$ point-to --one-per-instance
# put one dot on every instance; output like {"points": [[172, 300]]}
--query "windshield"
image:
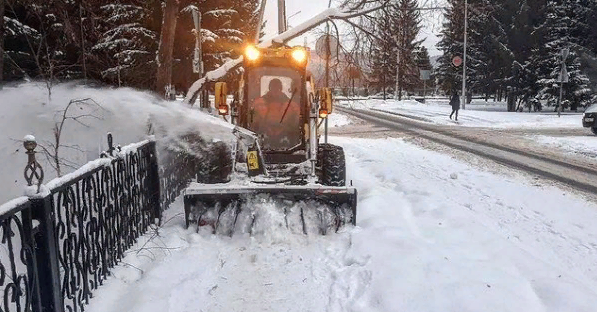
{"points": [[274, 105]]}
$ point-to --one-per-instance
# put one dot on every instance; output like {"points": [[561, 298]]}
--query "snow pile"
{"points": [[186, 271], [128, 114], [477, 114], [581, 145], [338, 120], [424, 242]]}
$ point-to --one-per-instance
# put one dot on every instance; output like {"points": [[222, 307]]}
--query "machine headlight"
{"points": [[299, 55], [252, 53]]}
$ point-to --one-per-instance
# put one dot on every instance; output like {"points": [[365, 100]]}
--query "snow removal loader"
{"points": [[281, 174]]}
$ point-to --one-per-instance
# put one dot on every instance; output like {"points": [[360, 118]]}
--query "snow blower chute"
{"points": [[282, 175]]}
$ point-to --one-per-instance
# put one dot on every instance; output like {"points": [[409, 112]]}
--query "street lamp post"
{"points": [[281, 16], [291, 16], [464, 59]]}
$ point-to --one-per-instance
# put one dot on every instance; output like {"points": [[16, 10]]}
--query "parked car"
{"points": [[589, 119]]}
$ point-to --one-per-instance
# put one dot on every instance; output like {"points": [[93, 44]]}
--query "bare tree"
{"points": [[52, 149], [44, 55], [165, 51]]}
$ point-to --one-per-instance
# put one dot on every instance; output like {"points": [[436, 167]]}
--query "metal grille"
{"points": [[98, 216]]}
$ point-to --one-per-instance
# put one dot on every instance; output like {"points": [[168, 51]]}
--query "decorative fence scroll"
{"points": [[59, 246]]}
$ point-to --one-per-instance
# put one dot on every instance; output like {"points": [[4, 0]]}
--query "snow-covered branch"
{"points": [[329, 14]]}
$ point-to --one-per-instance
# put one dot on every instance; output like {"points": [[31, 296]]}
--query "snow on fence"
{"points": [[59, 244]]}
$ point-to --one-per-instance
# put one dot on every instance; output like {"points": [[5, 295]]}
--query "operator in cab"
{"points": [[277, 117]]}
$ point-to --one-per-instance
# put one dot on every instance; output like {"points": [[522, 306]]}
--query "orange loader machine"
{"points": [[282, 175]]}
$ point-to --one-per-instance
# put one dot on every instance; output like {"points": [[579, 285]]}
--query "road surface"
{"points": [[498, 146]]}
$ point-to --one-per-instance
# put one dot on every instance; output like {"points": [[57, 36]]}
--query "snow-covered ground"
{"points": [[433, 234], [338, 120], [581, 145], [126, 113], [477, 114]]}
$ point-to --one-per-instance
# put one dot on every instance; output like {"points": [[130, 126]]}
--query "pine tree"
{"points": [[452, 45], [128, 43], [423, 63], [406, 22], [383, 55], [397, 28], [560, 31], [226, 26], [486, 52]]}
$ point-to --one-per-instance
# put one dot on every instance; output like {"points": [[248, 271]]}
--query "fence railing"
{"points": [[59, 245]]}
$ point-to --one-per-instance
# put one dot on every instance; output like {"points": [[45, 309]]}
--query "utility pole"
{"points": [[2, 31], [563, 77], [261, 13], [198, 57], [82, 43], [464, 60], [281, 16], [328, 55], [397, 87]]}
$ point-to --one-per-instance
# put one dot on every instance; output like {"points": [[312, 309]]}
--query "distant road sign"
{"points": [[457, 61], [322, 49], [565, 53], [564, 77]]}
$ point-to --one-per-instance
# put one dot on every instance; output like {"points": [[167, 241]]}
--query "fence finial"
{"points": [[33, 168], [110, 150], [110, 144]]}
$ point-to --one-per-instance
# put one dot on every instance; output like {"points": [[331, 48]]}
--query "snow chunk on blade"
{"points": [[257, 210]]}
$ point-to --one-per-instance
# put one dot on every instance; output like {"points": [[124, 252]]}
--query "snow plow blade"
{"points": [[301, 209]]}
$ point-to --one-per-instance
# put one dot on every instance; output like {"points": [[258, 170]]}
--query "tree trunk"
{"points": [[82, 42], [165, 52], [1, 42]]}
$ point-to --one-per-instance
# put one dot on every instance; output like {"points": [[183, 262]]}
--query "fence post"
{"points": [[33, 275], [47, 294], [155, 184], [46, 251]]}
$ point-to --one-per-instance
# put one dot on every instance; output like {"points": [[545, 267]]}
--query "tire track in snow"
{"points": [[582, 178], [545, 236]]}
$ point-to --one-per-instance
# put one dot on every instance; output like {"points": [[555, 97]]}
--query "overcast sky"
{"points": [[310, 8]]}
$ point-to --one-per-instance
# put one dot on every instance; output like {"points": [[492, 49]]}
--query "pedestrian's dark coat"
{"points": [[455, 102]]}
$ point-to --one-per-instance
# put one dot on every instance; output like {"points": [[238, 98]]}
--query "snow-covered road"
{"points": [[477, 114], [433, 234]]}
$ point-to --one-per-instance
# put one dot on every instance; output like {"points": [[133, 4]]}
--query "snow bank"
{"points": [[26, 110], [425, 241], [338, 120], [581, 145], [477, 114]]}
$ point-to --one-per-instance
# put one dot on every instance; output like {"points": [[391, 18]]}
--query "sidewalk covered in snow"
{"points": [[433, 234]]}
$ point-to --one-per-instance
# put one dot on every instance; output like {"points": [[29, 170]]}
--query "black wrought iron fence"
{"points": [[59, 245], [17, 270]]}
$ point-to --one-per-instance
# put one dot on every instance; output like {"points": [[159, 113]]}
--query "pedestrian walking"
{"points": [[455, 103]]}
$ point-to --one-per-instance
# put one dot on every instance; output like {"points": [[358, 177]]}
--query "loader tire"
{"points": [[331, 164], [594, 129]]}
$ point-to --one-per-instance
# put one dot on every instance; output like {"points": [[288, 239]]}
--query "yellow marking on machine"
{"points": [[252, 160]]}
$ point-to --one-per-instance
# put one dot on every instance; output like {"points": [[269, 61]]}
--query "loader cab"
{"points": [[273, 101]]}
